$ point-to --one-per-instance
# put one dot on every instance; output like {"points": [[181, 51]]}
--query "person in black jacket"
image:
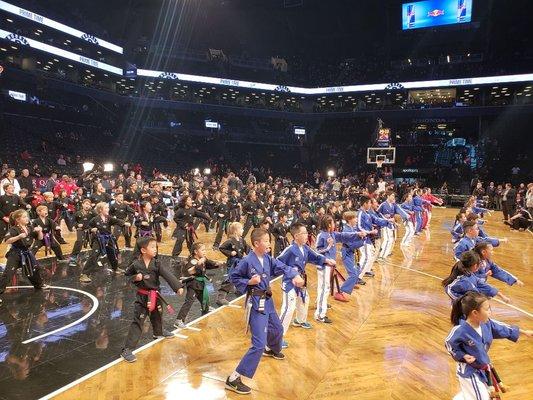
{"points": [[26, 181], [145, 273], [119, 209], [508, 201], [279, 231], [9, 202]]}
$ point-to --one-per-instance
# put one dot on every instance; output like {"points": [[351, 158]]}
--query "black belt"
{"points": [[261, 293]]}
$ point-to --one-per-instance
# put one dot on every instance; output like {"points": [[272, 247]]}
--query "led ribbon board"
{"points": [[24, 41], [338, 89], [21, 12]]}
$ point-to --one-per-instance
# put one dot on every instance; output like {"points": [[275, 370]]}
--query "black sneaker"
{"points": [[165, 335], [361, 282], [127, 355], [272, 353], [325, 320], [237, 386], [370, 273]]}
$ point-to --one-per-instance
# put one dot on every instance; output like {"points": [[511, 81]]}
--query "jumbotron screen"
{"points": [[428, 13]]}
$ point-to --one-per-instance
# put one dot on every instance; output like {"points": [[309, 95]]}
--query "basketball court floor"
{"points": [[386, 343]]}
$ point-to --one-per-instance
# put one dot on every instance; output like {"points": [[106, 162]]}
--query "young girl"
{"points": [[103, 242], [326, 244], [146, 222], [83, 237], [194, 278], [235, 248], [469, 342], [457, 230], [48, 228], [184, 215], [21, 238], [463, 279]]}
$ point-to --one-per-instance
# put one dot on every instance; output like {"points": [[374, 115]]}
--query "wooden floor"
{"points": [[386, 343]]}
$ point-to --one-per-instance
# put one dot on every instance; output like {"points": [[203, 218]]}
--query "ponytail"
{"points": [[462, 267], [465, 304]]}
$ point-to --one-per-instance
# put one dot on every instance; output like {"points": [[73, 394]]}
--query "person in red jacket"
{"points": [[65, 184], [427, 195]]}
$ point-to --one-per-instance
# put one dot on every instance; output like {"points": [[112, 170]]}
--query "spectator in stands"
{"points": [[61, 160], [65, 184], [508, 201], [9, 177], [25, 155], [26, 181], [491, 193], [498, 197], [51, 182]]}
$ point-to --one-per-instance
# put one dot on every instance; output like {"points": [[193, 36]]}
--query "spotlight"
{"points": [[331, 173], [88, 166], [108, 167], [207, 171]]}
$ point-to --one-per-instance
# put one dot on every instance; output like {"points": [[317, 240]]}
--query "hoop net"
{"points": [[379, 163]]}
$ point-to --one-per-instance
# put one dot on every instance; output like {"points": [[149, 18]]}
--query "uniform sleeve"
{"points": [[314, 258], [115, 221], [501, 330], [171, 279], [321, 242], [200, 214], [225, 248], [456, 289], [210, 264], [459, 249], [277, 268], [286, 255], [454, 345], [239, 276], [379, 221], [502, 275], [486, 289], [493, 241]]}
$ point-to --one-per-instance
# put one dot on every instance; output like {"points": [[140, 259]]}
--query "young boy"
{"points": [[252, 276], [194, 278], [145, 273], [296, 256], [81, 222]]}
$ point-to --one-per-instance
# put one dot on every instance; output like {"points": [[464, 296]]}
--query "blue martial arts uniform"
{"points": [[265, 326], [497, 272], [467, 243], [472, 283], [463, 339]]}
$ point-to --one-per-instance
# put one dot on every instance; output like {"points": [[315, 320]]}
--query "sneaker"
{"points": [[341, 297], [284, 344], [371, 273], [361, 282], [272, 353], [180, 324], [305, 325], [222, 302], [237, 386], [128, 356], [85, 279], [325, 320], [165, 335]]}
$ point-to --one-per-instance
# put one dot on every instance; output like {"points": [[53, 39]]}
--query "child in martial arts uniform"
{"points": [[487, 267], [145, 273], [457, 230], [194, 278], [326, 244], [235, 248], [83, 236], [469, 342], [147, 222], [410, 222], [49, 228], [103, 241], [365, 223], [252, 276], [348, 253], [471, 238], [119, 209], [463, 278], [21, 236], [279, 231], [389, 209], [296, 256], [184, 215]]}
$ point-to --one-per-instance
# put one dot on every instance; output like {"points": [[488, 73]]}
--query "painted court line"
{"points": [[91, 312], [440, 279]]}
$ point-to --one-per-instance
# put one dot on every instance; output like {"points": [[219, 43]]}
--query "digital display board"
{"points": [[429, 13]]}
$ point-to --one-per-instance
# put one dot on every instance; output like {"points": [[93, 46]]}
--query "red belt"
{"points": [[153, 295]]}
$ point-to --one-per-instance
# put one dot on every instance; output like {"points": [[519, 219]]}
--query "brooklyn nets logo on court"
{"points": [[282, 88], [13, 37], [168, 75], [394, 86], [90, 38]]}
